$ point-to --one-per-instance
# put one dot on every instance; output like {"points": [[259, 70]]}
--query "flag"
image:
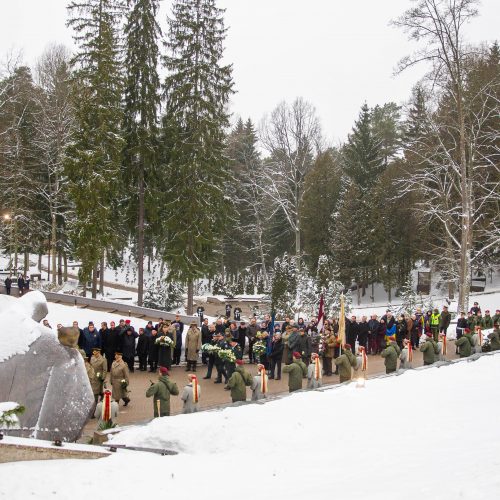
{"points": [[321, 315], [341, 334]]}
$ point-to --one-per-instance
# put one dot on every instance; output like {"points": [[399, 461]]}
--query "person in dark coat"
{"points": [[148, 328], [128, 347], [228, 310], [153, 349], [276, 356], [237, 313], [20, 284], [304, 346], [92, 338], [110, 343], [364, 328], [242, 335], [219, 363], [352, 331], [8, 284], [252, 338], [206, 338], [373, 326], [200, 310], [142, 350]]}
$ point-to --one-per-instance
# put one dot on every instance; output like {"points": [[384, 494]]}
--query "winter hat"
{"points": [[163, 370], [239, 362], [347, 346], [127, 321], [297, 355], [467, 330]]}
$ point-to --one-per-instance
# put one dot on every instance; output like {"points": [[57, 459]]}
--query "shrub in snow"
{"points": [[8, 415], [164, 295]]}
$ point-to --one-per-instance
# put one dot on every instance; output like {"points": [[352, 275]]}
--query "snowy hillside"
{"points": [[425, 434]]}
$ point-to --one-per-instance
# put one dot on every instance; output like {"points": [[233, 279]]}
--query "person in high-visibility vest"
{"points": [[435, 321]]}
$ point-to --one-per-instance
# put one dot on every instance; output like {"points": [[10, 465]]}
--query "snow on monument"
{"points": [[44, 374]]}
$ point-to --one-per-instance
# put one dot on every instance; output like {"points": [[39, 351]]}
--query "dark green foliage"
{"points": [[197, 90], [93, 160], [363, 161]]}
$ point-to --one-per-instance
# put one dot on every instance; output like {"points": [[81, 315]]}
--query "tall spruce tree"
{"points": [[142, 103], [362, 153], [198, 87], [93, 160]]}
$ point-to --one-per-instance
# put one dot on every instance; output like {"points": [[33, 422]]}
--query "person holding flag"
{"points": [[314, 379], [260, 384], [191, 395], [106, 411]]}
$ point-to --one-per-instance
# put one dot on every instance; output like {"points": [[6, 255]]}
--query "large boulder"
{"points": [[41, 373]]}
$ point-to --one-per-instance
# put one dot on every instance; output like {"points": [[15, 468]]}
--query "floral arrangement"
{"points": [[123, 383], [164, 340], [100, 377], [210, 349], [261, 335], [226, 355], [259, 348]]}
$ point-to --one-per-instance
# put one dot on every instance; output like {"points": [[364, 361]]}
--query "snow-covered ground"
{"points": [[425, 434]]}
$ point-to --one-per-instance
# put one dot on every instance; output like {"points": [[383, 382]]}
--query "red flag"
{"points": [[321, 314]]}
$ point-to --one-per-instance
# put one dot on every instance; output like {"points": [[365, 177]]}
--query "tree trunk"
{"points": [[48, 265], [466, 200], [101, 274], [40, 262], [451, 290], [59, 268], [94, 282], [189, 308], [140, 240], [53, 243], [65, 257], [26, 263]]}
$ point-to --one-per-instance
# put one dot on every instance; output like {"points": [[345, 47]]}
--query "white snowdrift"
{"points": [[426, 434], [17, 328]]}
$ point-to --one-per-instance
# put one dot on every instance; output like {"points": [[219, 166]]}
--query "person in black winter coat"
{"points": [[20, 284], [206, 338], [128, 347], [364, 328], [8, 284], [304, 346], [111, 342], [352, 331], [153, 350], [373, 326], [142, 350], [276, 356], [242, 335]]}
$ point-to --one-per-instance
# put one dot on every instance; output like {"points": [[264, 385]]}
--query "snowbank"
{"points": [[18, 328], [425, 434]]}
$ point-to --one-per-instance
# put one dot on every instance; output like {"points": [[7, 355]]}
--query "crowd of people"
{"points": [[300, 349]]}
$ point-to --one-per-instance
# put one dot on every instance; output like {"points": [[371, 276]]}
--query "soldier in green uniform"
{"points": [[464, 344], [430, 350], [345, 362], [297, 370], [161, 392], [238, 382], [390, 355]]}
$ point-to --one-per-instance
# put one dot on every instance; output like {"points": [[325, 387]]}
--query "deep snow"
{"points": [[430, 433]]}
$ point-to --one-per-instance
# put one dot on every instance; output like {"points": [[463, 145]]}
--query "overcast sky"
{"points": [[337, 54]]}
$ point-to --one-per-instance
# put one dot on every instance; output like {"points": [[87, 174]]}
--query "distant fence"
{"points": [[111, 307]]}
